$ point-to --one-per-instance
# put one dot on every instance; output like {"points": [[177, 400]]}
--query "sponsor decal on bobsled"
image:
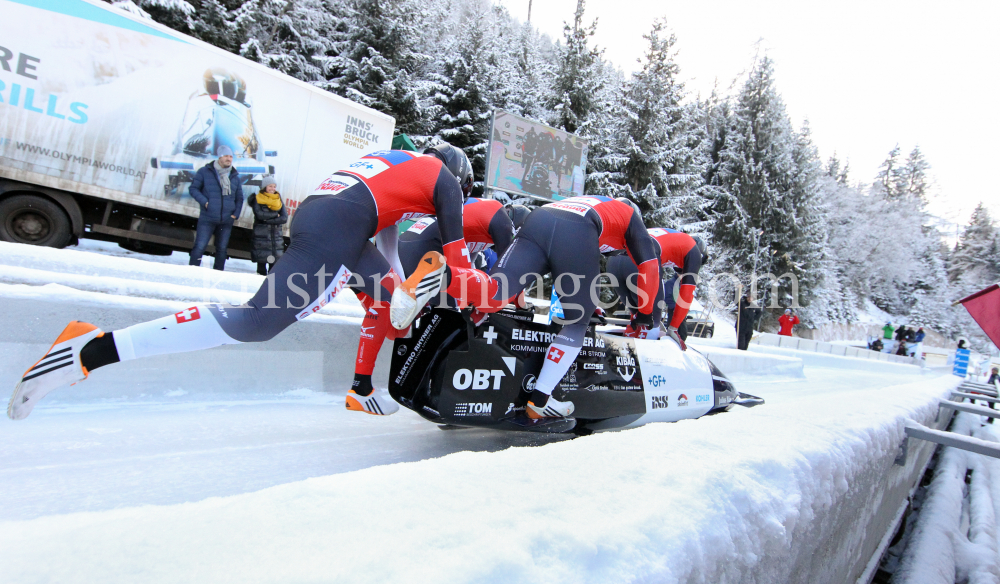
{"points": [[656, 380], [401, 350], [532, 336], [725, 399], [478, 379], [660, 402], [512, 409], [593, 366], [702, 399], [463, 410], [682, 400], [528, 383], [625, 366]]}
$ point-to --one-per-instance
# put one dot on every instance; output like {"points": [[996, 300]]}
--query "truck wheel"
{"points": [[34, 220]]}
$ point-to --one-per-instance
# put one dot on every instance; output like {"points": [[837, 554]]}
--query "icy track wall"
{"points": [[774, 494]]}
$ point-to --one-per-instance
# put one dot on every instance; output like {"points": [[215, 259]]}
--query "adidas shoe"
{"points": [[422, 285], [371, 404], [552, 408], [58, 368]]}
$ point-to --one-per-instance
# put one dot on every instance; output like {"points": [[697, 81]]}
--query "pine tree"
{"points": [[375, 64], [977, 255], [755, 215], [577, 78], [915, 181]]}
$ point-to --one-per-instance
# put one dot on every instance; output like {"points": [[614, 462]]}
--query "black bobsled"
{"points": [[615, 381]]}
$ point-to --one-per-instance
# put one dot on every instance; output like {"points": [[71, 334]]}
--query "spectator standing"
{"points": [[269, 214], [219, 192], [786, 322], [887, 331], [746, 321], [918, 337]]}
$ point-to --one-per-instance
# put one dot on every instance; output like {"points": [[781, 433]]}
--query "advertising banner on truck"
{"points": [[527, 158], [98, 102]]}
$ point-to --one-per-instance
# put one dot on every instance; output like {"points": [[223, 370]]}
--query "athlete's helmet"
{"points": [[517, 214], [456, 161], [702, 247], [632, 204]]}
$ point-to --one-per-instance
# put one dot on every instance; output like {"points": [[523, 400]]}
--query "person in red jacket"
{"points": [[330, 250], [566, 239], [786, 322]]}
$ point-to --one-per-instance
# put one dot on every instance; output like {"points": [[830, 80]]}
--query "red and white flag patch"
{"points": [[555, 355], [187, 315]]}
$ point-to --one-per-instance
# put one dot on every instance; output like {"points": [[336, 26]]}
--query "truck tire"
{"points": [[34, 220]]}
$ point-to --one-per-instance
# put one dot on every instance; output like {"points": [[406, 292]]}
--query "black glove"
{"points": [[642, 320]]}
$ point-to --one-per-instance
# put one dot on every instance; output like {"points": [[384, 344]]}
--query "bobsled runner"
{"points": [[454, 374]]}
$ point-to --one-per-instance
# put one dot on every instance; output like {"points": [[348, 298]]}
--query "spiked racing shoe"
{"points": [[59, 367], [422, 285], [372, 403], [550, 408]]}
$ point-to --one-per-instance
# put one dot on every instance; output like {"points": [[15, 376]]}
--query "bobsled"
{"points": [[455, 374], [219, 113]]}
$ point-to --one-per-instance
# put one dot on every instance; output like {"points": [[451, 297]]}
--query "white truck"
{"points": [[105, 117]]}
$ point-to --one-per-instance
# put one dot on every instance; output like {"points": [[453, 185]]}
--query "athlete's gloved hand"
{"points": [[642, 320], [477, 317], [673, 334], [601, 315]]}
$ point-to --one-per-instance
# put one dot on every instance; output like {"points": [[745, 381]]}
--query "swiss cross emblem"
{"points": [[187, 315], [555, 355]]}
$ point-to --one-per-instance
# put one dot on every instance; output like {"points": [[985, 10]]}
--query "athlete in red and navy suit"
{"points": [[330, 250], [485, 224], [565, 239], [676, 250]]}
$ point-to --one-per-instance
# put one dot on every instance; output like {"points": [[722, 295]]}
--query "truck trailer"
{"points": [[105, 117]]}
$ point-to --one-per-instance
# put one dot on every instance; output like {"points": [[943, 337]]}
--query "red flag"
{"points": [[984, 306]]}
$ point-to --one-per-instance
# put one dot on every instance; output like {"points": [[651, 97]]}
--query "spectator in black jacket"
{"points": [[219, 192], [746, 321], [269, 214]]}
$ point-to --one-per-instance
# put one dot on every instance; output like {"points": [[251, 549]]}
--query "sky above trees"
{"points": [[867, 75]]}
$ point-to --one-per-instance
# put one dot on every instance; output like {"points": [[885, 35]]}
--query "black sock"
{"points": [[539, 399], [362, 384], [100, 351]]}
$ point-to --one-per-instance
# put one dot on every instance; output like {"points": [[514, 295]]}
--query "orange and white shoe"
{"points": [[374, 404], [58, 368], [552, 408], [422, 285]]}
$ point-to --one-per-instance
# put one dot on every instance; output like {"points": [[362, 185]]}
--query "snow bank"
{"points": [[956, 536], [136, 278], [780, 493]]}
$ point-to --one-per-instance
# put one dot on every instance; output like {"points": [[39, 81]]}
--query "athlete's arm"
{"points": [[688, 276], [501, 231], [640, 247], [448, 209]]}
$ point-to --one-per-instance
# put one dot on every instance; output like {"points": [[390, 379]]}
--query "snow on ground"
{"points": [[297, 489], [101, 276], [956, 535]]}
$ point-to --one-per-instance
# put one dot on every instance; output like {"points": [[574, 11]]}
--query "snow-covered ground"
{"points": [[102, 273], [291, 487], [956, 537], [298, 489]]}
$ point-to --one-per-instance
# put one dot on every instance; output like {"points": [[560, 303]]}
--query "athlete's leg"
{"points": [[373, 284], [313, 270], [576, 265]]}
